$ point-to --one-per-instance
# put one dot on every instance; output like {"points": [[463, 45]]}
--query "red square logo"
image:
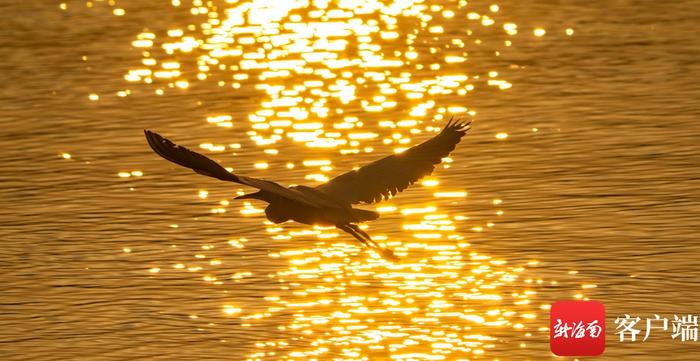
{"points": [[577, 328]]}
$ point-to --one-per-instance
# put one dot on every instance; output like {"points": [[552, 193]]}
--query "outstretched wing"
{"points": [[205, 166], [187, 158], [385, 177]]}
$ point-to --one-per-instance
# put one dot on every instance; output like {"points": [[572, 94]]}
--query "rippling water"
{"points": [[578, 180]]}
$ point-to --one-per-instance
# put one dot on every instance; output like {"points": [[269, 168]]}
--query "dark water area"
{"points": [[579, 179]]}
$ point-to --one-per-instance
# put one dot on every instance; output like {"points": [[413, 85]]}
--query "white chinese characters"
{"points": [[577, 329], [684, 327]]}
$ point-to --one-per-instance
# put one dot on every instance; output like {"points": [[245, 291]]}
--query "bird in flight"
{"points": [[330, 204]]}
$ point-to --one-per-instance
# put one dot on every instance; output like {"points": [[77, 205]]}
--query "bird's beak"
{"points": [[246, 196]]}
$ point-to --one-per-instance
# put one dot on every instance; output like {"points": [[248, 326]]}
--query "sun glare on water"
{"points": [[321, 69]]}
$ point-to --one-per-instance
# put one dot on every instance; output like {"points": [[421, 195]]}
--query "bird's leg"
{"points": [[385, 252], [352, 232], [364, 235]]}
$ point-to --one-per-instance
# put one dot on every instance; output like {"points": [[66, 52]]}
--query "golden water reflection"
{"points": [[438, 303], [442, 300], [321, 68], [317, 64]]}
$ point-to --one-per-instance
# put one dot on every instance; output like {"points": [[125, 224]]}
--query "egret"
{"points": [[330, 204]]}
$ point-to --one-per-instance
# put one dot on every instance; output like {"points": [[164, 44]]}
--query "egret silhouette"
{"points": [[330, 204]]}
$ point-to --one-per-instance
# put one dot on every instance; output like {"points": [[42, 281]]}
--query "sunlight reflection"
{"points": [[313, 60], [438, 303], [316, 65]]}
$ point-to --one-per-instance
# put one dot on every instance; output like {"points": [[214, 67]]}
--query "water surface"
{"points": [[578, 180]]}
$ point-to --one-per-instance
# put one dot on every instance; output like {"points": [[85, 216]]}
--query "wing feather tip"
{"points": [[457, 125]]}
